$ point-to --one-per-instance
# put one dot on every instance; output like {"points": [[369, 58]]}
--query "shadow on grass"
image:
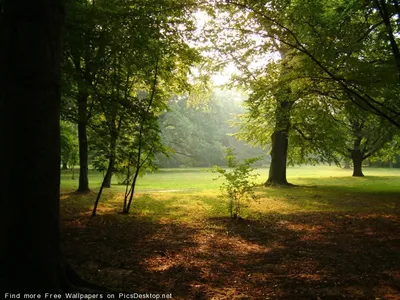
{"points": [[329, 198], [280, 256]]}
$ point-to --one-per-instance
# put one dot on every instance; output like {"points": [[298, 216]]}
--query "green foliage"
{"points": [[388, 155], [69, 143], [123, 61], [239, 181], [325, 53], [197, 135]]}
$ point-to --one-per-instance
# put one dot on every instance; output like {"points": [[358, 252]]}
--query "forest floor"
{"points": [[300, 243]]}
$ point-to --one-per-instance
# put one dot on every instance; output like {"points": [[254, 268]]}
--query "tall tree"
{"points": [[85, 56], [332, 36], [285, 99], [338, 43], [30, 59]]}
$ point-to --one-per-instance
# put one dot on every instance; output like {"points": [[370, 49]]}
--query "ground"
{"points": [[307, 242]]}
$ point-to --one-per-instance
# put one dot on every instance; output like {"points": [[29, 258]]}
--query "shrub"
{"points": [[239, 181]]}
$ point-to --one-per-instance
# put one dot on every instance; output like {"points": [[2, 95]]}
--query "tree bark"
{"points": [[279, 150], [357, 159], [277, 170], [385, 15], [30, 59], [113, 149], [108, 177], [82, 140]]}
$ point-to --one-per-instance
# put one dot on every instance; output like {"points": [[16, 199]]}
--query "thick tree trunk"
{"points": [[64, 165], [30, 58], [277, 169], [279, 150], [82, 139], [356, 153], [357, 159]]}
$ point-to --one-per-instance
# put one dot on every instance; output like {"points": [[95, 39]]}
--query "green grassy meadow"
{"points": [[183, 194]]}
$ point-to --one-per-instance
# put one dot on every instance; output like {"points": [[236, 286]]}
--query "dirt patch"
{"points": [[294, 256]]}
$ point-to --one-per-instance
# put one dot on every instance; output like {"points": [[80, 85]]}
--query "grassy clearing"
{"points": [[192, 194], [201, 178], [331, 237], [164, 179]]}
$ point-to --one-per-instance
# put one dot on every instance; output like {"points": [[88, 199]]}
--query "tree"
{"points": [[331, 36], [338, 46], [268, 80], [84, 51], [193, 133], [198, 134], [109, 47], [30, 85], [69, 145], [135, 84], [363, 135], [389, 155], [239, 181], [30, 59]]}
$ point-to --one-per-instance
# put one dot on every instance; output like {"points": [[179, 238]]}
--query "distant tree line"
{"points": [[198, 135]]}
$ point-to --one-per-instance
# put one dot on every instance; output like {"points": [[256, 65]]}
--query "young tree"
{"points": [[239, 181]]}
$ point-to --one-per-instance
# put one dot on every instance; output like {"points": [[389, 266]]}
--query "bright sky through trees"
{"points": [[211, 50]]}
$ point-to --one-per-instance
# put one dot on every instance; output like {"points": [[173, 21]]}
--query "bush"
{"points": [[239, 181]]}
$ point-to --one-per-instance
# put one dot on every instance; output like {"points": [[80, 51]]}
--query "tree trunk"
{"points": [[30, 58], [82, 139], [111, 162], [384, 11], [357, 158], [64, 165], [279, 139], [108, 177], [277, 169]]}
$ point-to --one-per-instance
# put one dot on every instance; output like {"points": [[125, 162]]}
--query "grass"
{"points": [[191, 193], [164, 179], [200, 178], [331, 236]]}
